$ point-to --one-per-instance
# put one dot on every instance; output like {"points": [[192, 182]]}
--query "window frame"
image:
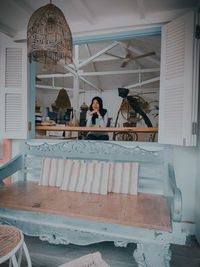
{"points": [[116, 36]]}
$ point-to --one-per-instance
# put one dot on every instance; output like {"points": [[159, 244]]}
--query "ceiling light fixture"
{"points": [[49, 38]]}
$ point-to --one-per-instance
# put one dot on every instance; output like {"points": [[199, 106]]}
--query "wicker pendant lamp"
{"points": [[49, 38]]}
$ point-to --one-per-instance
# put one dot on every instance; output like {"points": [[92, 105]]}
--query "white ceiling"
{"points": [[93, 17], [86, 17]]}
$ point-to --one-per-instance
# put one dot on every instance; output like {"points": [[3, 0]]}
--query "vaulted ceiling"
{"points": [[115, 68]]}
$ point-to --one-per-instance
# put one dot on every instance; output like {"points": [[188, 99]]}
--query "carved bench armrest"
{"points": [[175, 196], [11, 167]]}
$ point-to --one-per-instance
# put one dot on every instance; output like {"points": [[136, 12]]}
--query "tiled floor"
{"points": [[44, 254]]}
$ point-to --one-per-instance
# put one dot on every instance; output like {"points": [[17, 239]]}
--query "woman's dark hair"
{"points": [[102, 111]]}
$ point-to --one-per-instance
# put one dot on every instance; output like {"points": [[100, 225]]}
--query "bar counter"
{"points": [[126, 133], [98, 129]]}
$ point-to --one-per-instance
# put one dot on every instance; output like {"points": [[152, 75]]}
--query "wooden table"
{"points": [[115, 130]]}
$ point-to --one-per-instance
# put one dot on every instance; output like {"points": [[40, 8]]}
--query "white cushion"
{"points": [[88, 177], [60, 170], [53, 171], [123, 178], [97, 177], [46, 168]]}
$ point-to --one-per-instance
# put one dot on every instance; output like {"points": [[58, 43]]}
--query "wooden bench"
{"points": [[151, 219]]}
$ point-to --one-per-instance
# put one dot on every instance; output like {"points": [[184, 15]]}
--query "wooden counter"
{"points": [[127, 133], [98, 129]]}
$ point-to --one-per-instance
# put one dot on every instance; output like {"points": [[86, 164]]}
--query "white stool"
{"points": [[12, 241]]}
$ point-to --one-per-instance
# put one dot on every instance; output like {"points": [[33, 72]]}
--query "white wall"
{"points": [[1, 148], [45, 99], [197, 199], [185, 164]]}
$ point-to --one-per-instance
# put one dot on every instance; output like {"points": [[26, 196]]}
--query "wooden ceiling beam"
{"points": [[98, 73], [101, 52], [101, 59], [143, 83], [41, 86], [56, 75], [70, 70], [91, 84], [120, 72]]}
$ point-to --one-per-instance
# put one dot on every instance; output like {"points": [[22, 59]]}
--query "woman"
{"points": [[97, 116]]}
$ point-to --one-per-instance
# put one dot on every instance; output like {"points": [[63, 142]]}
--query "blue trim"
{"points": [[140, 33], [32, 68]]}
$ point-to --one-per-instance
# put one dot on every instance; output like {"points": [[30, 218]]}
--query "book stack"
{"points": [[38, 118]]}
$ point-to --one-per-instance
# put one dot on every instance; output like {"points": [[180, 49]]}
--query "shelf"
{"points": [[53, 137]]}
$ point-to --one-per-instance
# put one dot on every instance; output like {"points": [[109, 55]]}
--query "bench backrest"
{"points": [[153, 165]]}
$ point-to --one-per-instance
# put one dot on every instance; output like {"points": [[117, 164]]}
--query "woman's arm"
{"points": [[88, 119], [104, 120]]}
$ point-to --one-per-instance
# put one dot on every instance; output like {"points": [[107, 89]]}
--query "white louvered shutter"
{"points": [[13, 92], [179, 82]]}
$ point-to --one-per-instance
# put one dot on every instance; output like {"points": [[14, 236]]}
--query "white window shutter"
{"points": [[13, 92], [178, 82]]}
